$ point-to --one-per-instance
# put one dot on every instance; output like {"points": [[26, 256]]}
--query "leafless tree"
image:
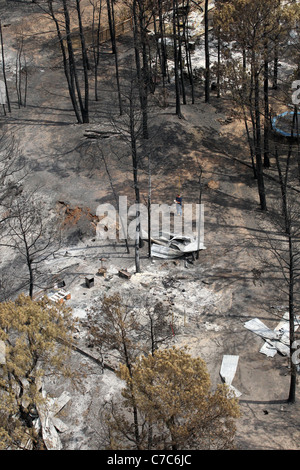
{"points": [[100, 155], [29, 233], [96, 24], [4, 68], [176, 58], [12, 172], [21, 72], [289, 258], [207, 55], [112, 28], [67, 16], [282, 242], [130, 128]]}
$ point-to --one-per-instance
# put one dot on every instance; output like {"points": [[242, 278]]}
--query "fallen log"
{"points": [[99, 134]]}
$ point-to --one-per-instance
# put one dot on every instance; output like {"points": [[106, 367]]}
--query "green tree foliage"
{"points": [[177, 409], [124, 328], [111, 326], [34, 339]]}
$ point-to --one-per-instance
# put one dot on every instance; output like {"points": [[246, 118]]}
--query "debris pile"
{"points": [[275, 340], [170, 246], [48, 421], [59, 296], [77, 221]]}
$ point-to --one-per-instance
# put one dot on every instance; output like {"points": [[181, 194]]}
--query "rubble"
{"points": [[59, 296], [258, 327], [48, 421], [275, 340], [228, 370], [124, 273], [170, 246]]}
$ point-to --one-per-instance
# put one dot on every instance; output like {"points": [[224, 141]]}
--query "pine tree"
{"points": [[35, 338], [172, 393]]}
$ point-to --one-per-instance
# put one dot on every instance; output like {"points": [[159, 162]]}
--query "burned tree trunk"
{"points": [[4, 69], [84, 105], [176, 60], [111, 22], [207, 58], [259, 165], [62, 23]]}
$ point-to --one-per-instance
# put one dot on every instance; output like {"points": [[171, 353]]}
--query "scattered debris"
{"points": [[102, 271], [74, 217], [171, 246], [89, 282], [260, 329], [59, 284], [124, 273], [47, 420], [59, 296], [211, 326], [275, 340], [228, 370], [165, 252]]}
